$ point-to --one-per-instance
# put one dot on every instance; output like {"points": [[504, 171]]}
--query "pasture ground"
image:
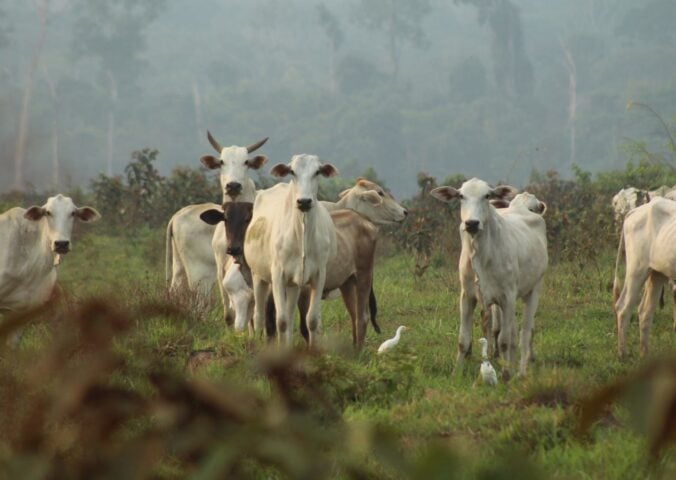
{"points": [[525, 426]]}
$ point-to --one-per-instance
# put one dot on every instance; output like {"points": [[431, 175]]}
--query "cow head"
{"points": [[236, 216], [371, 201], [627, 199], [234, 163], [59, 214], [528, 201], [475, 196], [306, 170]]}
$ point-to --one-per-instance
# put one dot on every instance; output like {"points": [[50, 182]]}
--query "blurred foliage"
{"points": [[96, 404]]}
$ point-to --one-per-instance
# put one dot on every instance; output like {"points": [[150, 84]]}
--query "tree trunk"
{"points": [[56, 167], [572, 99], [197, 100], [111, 125], [22, 136]]}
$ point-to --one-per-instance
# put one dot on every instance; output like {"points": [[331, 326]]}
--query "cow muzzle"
{"points": [[233, 189], [61, 246], [304, 204], [472, 226]]}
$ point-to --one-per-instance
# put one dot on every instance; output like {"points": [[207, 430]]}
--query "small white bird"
{"points": [[488, 374], [388, 345]]}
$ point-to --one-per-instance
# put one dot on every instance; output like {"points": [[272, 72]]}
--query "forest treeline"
{"points": [[494, 88]]}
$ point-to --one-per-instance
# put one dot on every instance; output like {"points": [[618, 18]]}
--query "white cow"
{"points": [[503, 256], [288, 243], [649, 239], [626, 200], [190, 263], [32, 242]]}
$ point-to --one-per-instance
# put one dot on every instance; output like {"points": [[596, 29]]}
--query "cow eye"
{"points": [[461, 196], [488, 195], [381, 193], [48, 213]]}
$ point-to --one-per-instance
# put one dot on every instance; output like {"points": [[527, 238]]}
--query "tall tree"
{"points": [[113, 32], [334, 33], [24, 116], [511, 67], [400, 22]]}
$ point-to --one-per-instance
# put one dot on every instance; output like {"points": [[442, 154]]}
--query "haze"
{"points": [[492, 88]]}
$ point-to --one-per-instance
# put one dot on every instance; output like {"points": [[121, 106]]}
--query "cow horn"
{"points": [[214, 143], [256, 146]]}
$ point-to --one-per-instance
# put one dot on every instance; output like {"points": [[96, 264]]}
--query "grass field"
{"points": [[522, 429]]}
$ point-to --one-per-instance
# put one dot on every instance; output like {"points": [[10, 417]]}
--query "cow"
{"points": [[491, 318], [503, 256], [288, 243], [32, 242], [626, 200], [351, 269], [189, 261], [236, 276], [648, 238], [663, 191]]}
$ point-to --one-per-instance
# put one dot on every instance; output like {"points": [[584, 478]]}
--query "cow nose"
{"points": [[234, 250], [61, 246], [233, 188], [304, 204], [472, 226], [405, 212]]}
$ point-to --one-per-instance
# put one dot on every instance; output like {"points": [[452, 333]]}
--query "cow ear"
{"points": [[212, 216], [505, 192], [328, 170], [445, 194], [372, 197], [280, 170], [500, 203], [256, 162], [34, 213], [87, 214], [211, 162], [543, 208]]}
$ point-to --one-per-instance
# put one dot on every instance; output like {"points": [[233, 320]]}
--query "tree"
{"points": [[112, 32], [334, 34], [399, 21], [24, 115], [511, 67]]}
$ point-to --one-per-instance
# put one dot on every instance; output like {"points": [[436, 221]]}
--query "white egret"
{"points": [[388, 345], [488, 374]]}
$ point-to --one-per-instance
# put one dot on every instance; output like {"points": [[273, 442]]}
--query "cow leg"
{"points": [[526, 340], [634, 280], [468, 302], [261, 290], [349, 292], [303, 303], [314, 311], [363, 292], [653, 288], [270, 318], [673, 305], [373, 309], [507, 335], [228, 315], [496, 321]]}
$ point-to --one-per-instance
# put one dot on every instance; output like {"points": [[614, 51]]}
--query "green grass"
{"points": [[526, 424]]}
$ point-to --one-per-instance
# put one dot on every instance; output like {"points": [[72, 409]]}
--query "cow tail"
{"points": [[618, 259], [168, 256]]}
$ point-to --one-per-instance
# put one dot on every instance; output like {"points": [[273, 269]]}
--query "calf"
{"points": [[236, 276], [503, 256], [648, 237]]}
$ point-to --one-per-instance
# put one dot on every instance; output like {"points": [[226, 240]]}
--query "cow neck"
{"points": [[346, 203], [303, 224], [485, 242]]}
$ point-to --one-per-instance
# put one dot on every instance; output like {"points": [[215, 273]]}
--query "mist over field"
{"points": [[492, 88]]}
